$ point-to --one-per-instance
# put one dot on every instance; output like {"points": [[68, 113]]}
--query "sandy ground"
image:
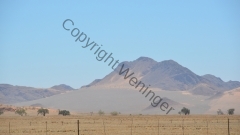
{"points": [[11, 124]]}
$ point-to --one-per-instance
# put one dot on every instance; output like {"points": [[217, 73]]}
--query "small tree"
{"points": [[219, 112], [179, 113], [185, 111], [20, 111], [64, 112], [43, 111], [231, 111], [114, 113], [100, 112], [1, 112]]}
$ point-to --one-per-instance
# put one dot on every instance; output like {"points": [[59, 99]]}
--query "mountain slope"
{"points": [[126, 101], [225, 101], [166, 75], [14, 94], [62, 87]]}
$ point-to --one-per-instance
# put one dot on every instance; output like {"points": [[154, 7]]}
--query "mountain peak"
{"points": [[212, 77], [168, 65], [166, 75], [62, 87], [144, 59], [169, 62]]}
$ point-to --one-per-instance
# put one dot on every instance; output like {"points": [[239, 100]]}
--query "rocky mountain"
{"points": [[166, 75], [14, 94], [92, 83], [62, 87]]}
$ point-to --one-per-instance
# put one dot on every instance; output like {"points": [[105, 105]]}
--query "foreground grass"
{"points": [[120, 125]]}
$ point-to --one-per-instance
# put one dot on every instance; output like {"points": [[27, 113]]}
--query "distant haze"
{"points": [[175, 84]]}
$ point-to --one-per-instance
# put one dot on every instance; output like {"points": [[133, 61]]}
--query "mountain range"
{"points": [[174, 83], [166, 75], [15, 94]]}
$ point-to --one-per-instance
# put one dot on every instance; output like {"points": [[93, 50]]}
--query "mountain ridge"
{"points": [[12, 94], [166, 75]]}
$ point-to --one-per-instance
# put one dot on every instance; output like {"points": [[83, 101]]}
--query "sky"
{"points": [[36, 51]]}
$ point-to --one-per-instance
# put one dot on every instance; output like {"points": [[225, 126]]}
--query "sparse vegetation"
{"points": [[100, 112], [1, 112], [219, 112], [231, 111], [21, 112], [43, 111], [63, 112], [168, 125], [114, 113], [185, 111]]}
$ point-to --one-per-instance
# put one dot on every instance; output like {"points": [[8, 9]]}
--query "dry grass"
{"points": [[120, 125]]}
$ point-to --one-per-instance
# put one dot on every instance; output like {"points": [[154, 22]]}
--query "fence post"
{"points": [[46, 127], [239, 125], [104, 128], [131, 126], [183, 126], [228, 127], [207, 127], [158, 126], [78, 126], [9, 128]]}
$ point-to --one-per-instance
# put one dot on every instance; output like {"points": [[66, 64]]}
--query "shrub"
{"points": [[20, 111], [185, 111], [114, 113], [100, 112], [219, 112], [64, 112], [231, 111], [43, 111]]}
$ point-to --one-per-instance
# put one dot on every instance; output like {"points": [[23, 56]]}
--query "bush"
{"points": [[231, 111], [100, 112], [185, 111], [219, 112], [43, 111], [114, 113], [20, 111], [64, 112], [1, 112]]}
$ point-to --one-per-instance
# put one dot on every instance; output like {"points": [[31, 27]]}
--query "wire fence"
{"points": [[120, 126]]}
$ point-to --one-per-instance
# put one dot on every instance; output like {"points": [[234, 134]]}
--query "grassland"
{"points": [[120, 125]]}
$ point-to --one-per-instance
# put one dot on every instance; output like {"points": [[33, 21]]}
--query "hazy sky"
{"points": [[203, 36]]}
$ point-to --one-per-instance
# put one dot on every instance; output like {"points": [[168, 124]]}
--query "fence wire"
{"points": [[120, 126]]}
